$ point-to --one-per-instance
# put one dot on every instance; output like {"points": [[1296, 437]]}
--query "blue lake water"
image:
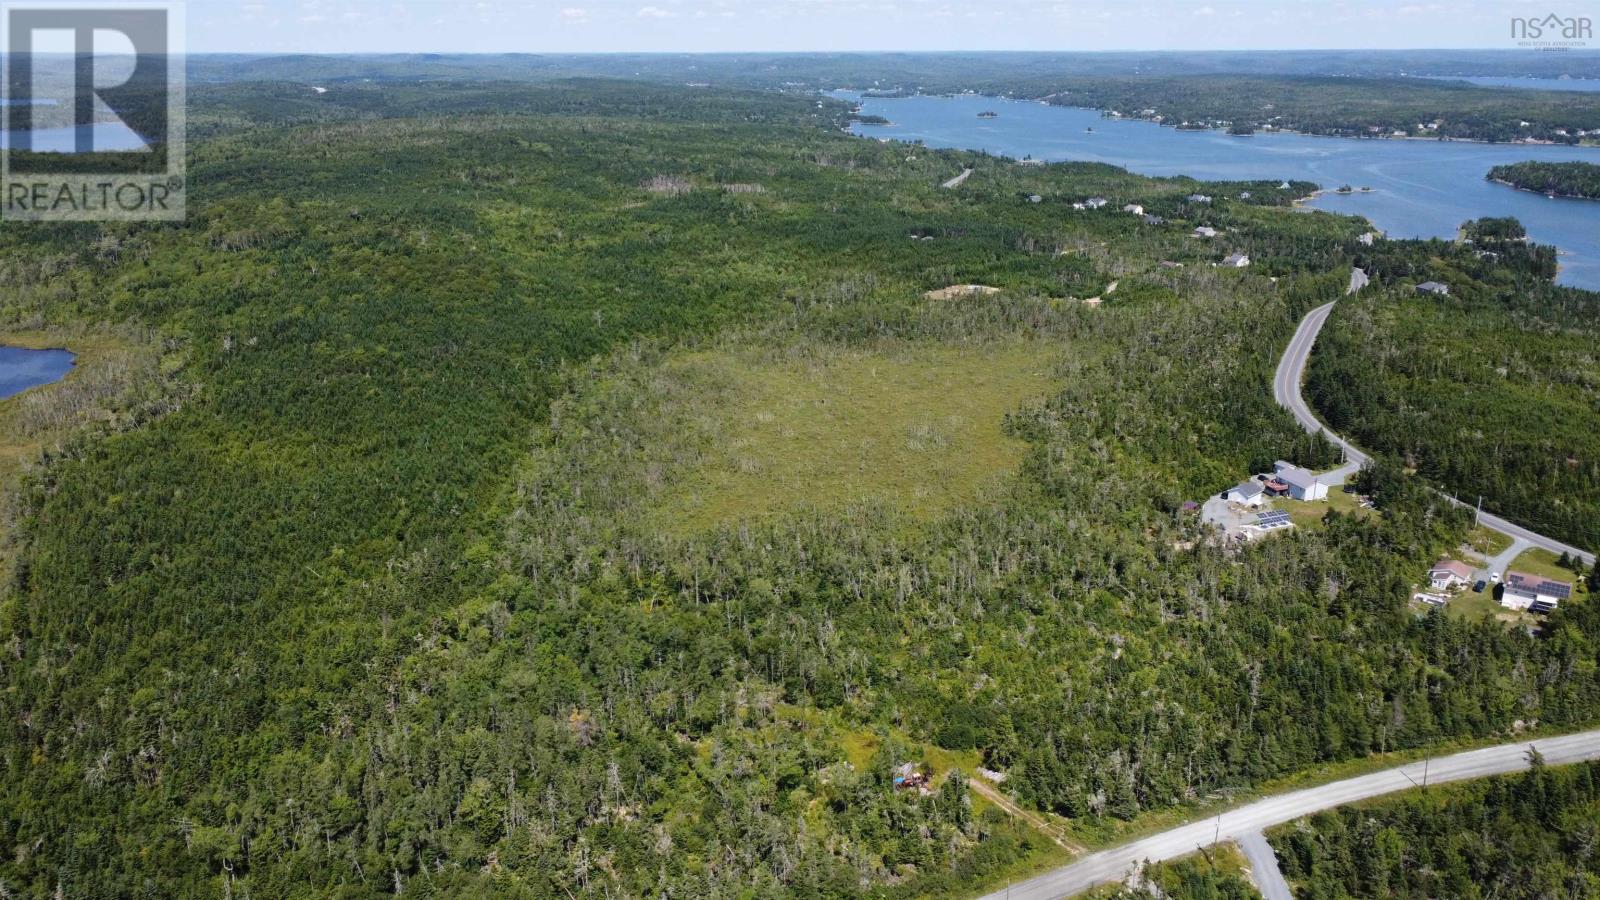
{"points": [[21, 368], [1524, 82], [1421, 188]]}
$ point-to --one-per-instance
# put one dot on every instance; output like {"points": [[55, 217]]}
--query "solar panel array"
{"points": [[1544, 586], [1554, 589], [1274, 519]]}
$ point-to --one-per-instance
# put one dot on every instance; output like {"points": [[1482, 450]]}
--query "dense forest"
{"points": [[376, 581], [1493, 389], [1567, 179], [1519, 836]]}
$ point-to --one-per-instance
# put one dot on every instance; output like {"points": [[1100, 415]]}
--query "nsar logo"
{"points": [[1552, 32]]}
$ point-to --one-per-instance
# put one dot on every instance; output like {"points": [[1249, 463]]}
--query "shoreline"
{"points": [[32, 340], [1517, 187], [1300, 203], [1048, 100]]}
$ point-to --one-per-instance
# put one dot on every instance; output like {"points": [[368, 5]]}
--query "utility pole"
{"points": [[1479, 514], [1425, 761]]}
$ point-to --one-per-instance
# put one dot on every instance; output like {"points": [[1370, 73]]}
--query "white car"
{"points": [[1494, 577]]}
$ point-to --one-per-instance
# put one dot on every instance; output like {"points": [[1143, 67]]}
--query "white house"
{"points": [[1303, 484], [1236, 261], [1199, 198], [1533, 592], [1095, 202], [1250, 493], [1434, 288], [1205, 231], [1447, 573], [1134, 208]]}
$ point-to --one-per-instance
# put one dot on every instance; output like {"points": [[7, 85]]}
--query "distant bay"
{"points": [[1526, 83], [1421, 188]]}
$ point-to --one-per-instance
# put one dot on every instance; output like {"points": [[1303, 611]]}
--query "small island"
{"points": [[1563, 179], [988, 114]]}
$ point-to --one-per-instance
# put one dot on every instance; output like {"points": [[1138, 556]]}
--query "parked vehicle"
{"points": [[1478, 588]]}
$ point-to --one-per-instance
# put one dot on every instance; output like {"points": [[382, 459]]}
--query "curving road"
{"points": [[1286, 390], [956, 181], [1246, 822]]}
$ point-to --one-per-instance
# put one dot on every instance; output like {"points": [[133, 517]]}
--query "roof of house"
{"points": [[1433, 287], [1237, 258], [1248, 489], [1538, 584], [1206, 230], [1295, 476], [1452, 566]]}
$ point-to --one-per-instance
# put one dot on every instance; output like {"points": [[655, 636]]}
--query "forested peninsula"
{"points": [[1563, 179]]}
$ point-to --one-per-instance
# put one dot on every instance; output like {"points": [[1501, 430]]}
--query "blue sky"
{"points": [[355, 26]]}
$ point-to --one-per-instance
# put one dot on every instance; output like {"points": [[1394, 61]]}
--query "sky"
{"points": [[581, 26]]}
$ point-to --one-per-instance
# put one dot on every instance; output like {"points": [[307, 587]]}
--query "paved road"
{"points": [[1286, 390], [1292, 373], [1264, 869], [1518, 533], [1502, 560], [956, 181], [1237, 825]]}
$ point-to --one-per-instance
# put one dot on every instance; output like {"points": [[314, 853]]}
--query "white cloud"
{"points": [[654, 12]]}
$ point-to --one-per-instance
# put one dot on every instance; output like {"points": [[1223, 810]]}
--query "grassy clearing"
{"points": [[913, 425], [1488, 543], [1470, 605], [1309, 515]]}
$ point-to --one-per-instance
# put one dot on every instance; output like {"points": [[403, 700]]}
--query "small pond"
{"points": [[21, 368]]}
